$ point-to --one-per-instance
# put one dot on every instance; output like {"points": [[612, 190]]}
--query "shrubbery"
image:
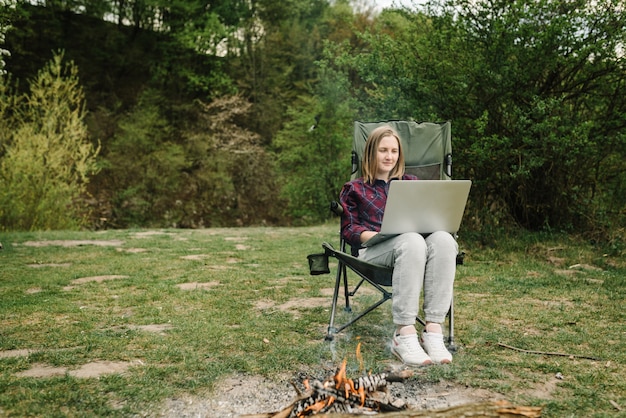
{"points": [[212, 172], [46, 157], [194, 138]]}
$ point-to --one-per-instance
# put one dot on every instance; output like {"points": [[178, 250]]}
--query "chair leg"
{"points": [[332, 331], [331, 324], [342, 276], [346, 290], [451, 344]]}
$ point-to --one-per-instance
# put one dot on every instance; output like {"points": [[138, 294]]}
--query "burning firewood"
{"points": [[340, 397], [339, 394]]}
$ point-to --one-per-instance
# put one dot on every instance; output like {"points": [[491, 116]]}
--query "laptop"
{"points": [[422, 206]]}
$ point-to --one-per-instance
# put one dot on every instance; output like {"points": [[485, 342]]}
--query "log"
{"points": [[498, 409]]}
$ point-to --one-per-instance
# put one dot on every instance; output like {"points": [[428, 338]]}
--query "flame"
{"points": [[341, 383], [359, 356], [318, 406], [347, 385]]}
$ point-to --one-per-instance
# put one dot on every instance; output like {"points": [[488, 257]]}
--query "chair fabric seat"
{"points": [[376, 273]]}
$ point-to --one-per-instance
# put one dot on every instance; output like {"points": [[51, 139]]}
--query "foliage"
{"points": [[8, 104], [142, 164], [248, 165], [313, 148], [550, 75], [6, 9], [161, 176], [532, 89], [47, 156], [274, 64]]}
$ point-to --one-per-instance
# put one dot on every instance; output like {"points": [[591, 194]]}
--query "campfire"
{"points": [[361, 396], [368, 395], [338, 394]]}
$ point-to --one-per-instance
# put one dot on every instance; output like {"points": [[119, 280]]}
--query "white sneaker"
{"points": [[408, 349], [435, 347]]}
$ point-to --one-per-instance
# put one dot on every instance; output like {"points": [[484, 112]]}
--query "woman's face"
{"points": [[386, 156]]}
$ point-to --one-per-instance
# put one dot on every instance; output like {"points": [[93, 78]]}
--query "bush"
{"points": [[209, 171], [47, 158], [313, 152]]}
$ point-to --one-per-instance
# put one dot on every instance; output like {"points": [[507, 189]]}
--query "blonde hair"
{"points": [[370, 154]]}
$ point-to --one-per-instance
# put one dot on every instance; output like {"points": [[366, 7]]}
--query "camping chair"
{"points": [[428, 155]]}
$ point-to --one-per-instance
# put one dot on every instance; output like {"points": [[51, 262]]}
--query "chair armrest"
{"points": [[375, 272], [336, 208]]}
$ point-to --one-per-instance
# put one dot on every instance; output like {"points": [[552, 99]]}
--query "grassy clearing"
{"points": [[185, 308]]}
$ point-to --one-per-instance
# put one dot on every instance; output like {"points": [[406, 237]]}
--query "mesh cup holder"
{"points": [[318, 264]]}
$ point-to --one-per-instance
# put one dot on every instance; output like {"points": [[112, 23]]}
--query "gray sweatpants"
{"points": [[418, 262]]}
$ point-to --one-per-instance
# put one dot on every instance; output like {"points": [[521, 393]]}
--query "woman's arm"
{"points": [[351, 223], [366, 235]]}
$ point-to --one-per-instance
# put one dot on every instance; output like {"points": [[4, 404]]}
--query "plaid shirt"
{"points": [[363, 207]]}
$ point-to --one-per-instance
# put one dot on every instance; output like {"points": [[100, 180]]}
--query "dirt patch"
{"points": [[93, 369], [42, 370], [73, 243], [97, 279], [327, 291], [584, 267], [99, 368], [155, 328], [292, 306], [567, 272], [15, 353], [544, 390], [236, 239], [197, 286], [195, 257], [577, 269], [218, 267], [42, 265], [132, 250], [242, 395], [148, 234], [25, 352]]}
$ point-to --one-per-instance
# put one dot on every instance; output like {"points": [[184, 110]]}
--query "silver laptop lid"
{"points": [[425, 206]]}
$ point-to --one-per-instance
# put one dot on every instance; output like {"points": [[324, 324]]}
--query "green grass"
{"points": [[519, 290]]}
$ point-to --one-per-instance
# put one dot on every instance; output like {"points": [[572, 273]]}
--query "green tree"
{"points": [[142, 165], [313, 149], [533, 92], [47, 158], [313, 164], [155, 173], [544, 82], [274, 57]]}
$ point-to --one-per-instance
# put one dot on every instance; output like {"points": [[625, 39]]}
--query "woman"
{"points": [[419, 262]]}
